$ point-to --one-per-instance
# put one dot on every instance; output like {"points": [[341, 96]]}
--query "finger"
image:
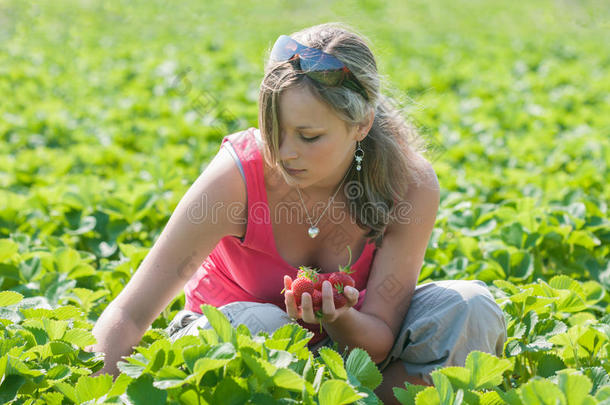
{"points": [[287, 282], [352, 296], [307, 308], [291, 307], [328, 304]]}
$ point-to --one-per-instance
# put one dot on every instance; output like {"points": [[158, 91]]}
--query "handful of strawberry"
{"points": [[310, 281]]}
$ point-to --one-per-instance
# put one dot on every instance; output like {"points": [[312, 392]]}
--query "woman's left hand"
{"points": [[330, 313]]}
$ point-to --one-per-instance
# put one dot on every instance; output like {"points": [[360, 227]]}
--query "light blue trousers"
{"points": [[445, 321]]}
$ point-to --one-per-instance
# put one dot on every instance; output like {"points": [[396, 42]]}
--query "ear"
{"points": [[365, 127]]}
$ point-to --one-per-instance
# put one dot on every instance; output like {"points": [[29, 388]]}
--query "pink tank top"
{"points": [[251, 268]]}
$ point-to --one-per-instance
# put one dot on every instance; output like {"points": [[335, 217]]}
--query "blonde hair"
{"points": [[390, 149]]}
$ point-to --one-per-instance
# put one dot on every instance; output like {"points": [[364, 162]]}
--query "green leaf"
{"points": [[337, 392], [52, 398], [59, 372], [485, 369], [549, 364], [204, 365], [458, 376], [583, 238], [598, 376], [10, 271], [231, 391], [8, 298], [262, 369], [66, 259], [90, 388], [511, 397], [134, 366], [169, 377], [563, 282], [428, 396], [407, 396], [290, 380], [55, 348], [334, 361], [507, 286], [360, 365], [142, 392], [120, 385], [9, 388], [68, 390], [543, 392], [576, 387], [79, 337], [593, 292], [443, 387], [191, 354], [603, 394], [55, 329], [521, 265], [8, 249], [220, 323], [513, 234], [491, 398], [280, 358]]}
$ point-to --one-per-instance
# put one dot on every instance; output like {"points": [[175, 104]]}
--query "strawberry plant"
{"points": [[106, 121]]}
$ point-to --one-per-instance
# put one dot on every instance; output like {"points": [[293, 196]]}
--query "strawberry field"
{"points": [[110, 110]]}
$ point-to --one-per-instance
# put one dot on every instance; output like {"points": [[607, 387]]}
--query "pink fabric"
{"points": [[252, 269]]}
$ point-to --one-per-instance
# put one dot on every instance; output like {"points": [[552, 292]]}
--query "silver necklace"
{"points": [[313, 230]]}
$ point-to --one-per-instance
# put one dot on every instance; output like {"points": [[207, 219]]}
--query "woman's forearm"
{"points": [[357, 329], [116, 335]]}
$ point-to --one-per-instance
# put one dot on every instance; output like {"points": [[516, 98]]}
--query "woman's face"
{"points": [[314, 138]]}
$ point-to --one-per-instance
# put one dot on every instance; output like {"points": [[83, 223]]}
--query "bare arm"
{"points": [[190, 235], [393, 276]]}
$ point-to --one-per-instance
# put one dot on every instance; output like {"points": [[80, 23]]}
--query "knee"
{"points": [[485, 326], [265, 317]]}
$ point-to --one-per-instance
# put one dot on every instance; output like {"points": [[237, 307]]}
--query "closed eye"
{"points": [[313, 139]]}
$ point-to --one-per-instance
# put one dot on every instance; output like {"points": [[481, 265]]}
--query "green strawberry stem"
{"points": [[319, 315], [346, 269]]}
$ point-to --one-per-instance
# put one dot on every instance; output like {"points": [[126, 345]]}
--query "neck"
{"points": [[326, 188], [325, 191]]}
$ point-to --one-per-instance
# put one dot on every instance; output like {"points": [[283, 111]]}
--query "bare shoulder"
{"points": [[230, 189], [422, 194]]}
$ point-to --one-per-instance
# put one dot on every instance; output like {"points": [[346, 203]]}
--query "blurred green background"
{"points": [[110, 110]]}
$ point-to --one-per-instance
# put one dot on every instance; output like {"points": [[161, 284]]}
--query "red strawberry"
{"points": [[321, 278], [316, 300], [343, 275], [339, 277], [339, 299], [300, 286]]}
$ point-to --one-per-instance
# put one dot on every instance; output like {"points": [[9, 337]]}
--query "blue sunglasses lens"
{"points": [[311, 59], [284, 48], [315, 63]]}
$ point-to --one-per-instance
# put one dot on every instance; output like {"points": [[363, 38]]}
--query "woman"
{"points": [[334, 170]]}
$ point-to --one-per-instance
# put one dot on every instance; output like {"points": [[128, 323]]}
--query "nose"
{"points": [[287, 150]]}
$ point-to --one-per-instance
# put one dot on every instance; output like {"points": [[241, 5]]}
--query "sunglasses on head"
{"points": [[318, 65]]}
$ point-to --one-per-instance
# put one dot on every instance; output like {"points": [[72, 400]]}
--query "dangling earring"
{"points": [[359, 157]]}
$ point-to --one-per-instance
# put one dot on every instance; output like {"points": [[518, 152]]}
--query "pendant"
{"points": [[313, 231]]}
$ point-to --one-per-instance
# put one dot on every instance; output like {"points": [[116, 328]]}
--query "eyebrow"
{"points": [[309, 127]]}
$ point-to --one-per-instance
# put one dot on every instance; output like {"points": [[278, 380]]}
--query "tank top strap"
{"points": [[245, 146]]}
